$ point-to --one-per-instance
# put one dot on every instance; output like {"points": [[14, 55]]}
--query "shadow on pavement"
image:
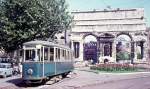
{"points": [[18, 82]]}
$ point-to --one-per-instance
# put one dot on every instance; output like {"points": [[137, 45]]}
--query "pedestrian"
{"points": [[20, 68]]}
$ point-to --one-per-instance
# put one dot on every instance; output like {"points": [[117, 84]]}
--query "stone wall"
{"points": [[112, 20]]}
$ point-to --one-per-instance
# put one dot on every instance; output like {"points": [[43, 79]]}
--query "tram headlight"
{"points": [[30, 71]]}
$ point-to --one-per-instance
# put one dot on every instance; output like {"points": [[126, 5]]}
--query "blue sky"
{"points": [[102, 4]]}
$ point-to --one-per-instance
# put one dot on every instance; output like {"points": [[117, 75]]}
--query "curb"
{"points": [[131, 73], [128, 73]]}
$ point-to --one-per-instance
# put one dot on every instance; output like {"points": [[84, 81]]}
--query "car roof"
{"points": [[5, 64]]}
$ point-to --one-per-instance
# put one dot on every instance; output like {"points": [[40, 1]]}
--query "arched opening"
{"points": [[90, 48], [123, 48], [139, 51]]}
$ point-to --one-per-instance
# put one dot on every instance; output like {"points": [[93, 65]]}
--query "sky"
{"points": [[103, 4]]}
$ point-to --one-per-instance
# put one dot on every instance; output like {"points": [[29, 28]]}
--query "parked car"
{"points": [[6, 69]]}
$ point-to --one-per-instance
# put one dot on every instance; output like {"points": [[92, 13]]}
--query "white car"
{"points": [[6, 69]]}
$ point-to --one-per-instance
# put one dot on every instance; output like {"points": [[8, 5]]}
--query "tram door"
{"points": [[90, 51]]}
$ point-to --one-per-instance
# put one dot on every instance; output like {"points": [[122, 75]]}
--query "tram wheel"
{"points": [[27, 83], [44, 81], [64, 75]]}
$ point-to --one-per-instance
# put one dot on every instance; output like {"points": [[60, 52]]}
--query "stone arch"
{"points": [[87, 34], [140, 42], [90, 47], [125, 33], [106, 41], [126, 46], [140, 38], [106, 35]]}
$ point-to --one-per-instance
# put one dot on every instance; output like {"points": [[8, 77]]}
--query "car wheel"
{"points": [[15, 73], [11, 74], [4, 76]]}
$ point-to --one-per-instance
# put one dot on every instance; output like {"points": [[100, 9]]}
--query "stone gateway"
{"points": [[120, 36]]}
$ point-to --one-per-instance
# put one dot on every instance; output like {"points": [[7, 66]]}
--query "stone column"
{"points": [[135, 53], [102, 49], [114, 51], [98, 50], [132, 52], [142, 50], [81, 50], [145, 51]]}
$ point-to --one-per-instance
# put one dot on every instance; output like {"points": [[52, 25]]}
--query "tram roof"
{"points": [[45, 43]]}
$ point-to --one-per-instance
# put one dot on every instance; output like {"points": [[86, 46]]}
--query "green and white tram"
{"points": [[44, 59]]}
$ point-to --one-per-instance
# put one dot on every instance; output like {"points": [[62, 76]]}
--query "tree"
{"points": [[26, 20]]}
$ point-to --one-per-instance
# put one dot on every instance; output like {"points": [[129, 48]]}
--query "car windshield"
{"points": [[2, 66]]}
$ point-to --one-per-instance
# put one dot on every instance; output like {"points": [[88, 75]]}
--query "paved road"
{"points": [[7, 79], [88, 80], [10, 82], [136, 83]]}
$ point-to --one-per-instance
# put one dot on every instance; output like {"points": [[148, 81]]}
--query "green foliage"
{"points": [[139, 56], [26, 20], [113, 67], [123, 56]]}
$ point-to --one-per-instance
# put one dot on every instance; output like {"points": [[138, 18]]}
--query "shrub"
{"points": [[123, 56], [113, 67], [139, 56]]}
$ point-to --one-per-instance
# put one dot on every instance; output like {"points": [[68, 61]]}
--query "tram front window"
{"points": [[31, 55]]}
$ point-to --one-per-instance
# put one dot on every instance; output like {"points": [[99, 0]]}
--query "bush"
{"points": [[123, 56], [139, 56], [113, 67]]}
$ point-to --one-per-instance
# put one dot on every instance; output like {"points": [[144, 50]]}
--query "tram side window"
{"points": [[62, 54], [56, 52], [59, 54], [30, 54], [71, 55], [42, 54], [51, 54], [45, 53], [65, 54], [68, 56], [38, 54]]}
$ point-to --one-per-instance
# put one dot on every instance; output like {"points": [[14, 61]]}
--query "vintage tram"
{"points": [[43, 60]]}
